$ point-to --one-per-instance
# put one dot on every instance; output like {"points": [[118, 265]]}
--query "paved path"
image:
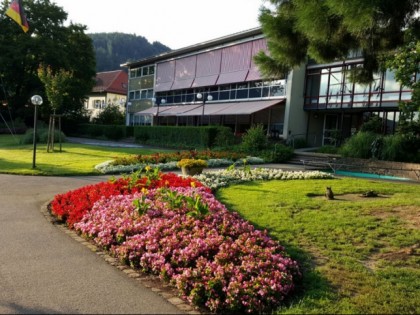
{"points": [[43, 270]]}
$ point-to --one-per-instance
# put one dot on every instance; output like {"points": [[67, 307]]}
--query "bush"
{"points": [[224, 138], [41, 136], [110, 115], [178, 137], [280, 154], [254, 140], [359, 146], [111, 132], [401, 148]]}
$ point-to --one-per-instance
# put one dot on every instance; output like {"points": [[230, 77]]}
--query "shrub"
{"points": [[190, 163], [359, 146], [110, 115], [254, 140], [279, 154], [41, 136], [401, 148]]}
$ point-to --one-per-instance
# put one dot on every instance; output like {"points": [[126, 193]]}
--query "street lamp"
{"points": [[205, 99], [158, 101], [36, 100]]}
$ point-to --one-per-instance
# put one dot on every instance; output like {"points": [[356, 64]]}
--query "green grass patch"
{"points": [[358, 255], [74, 159]]}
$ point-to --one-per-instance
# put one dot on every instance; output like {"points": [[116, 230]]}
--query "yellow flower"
{"points": [[148, 168], [144, 191], [193, 184]]}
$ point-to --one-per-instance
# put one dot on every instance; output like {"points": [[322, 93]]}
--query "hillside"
{"points": [[113, 49]]}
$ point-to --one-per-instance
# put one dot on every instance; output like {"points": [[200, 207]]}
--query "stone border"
{"points": [[152, 282]]}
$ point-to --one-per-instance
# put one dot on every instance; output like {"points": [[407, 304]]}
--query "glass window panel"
{"points": [[131, 95], [265, 91], [224, 95], [233, 94], [312, 85], [151, 70], [323, 89], [390, 84], [406, 96], [137, 95], [255, 93], [138, 72], [240, 94], [143, 94], [224, 87], [277, 90], [145, 71], [150, 93], [177, 98], [132, 73]]}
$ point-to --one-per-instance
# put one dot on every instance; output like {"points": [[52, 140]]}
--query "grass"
{"points": [[74, 159], [358, 255]]}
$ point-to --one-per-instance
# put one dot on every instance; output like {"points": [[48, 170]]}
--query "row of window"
{"points": [[140, 94], [331, 87], [142, 71], [247, 90]]}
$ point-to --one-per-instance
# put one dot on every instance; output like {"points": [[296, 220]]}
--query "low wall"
{"points": [[398, 169], [336, 162]]}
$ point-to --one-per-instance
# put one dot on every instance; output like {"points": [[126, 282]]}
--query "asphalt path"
{"points": [[45, 271]]}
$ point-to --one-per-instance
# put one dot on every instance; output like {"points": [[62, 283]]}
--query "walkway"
{"points": [[43, 270]]}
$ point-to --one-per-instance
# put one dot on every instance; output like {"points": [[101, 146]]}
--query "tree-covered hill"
{"points": [[113, 49]]}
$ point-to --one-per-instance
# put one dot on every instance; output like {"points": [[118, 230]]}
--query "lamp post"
{"points": [[36, 100], [158, 101], [205, 99]]}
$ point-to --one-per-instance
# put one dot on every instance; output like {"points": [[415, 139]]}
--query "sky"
{"points": [[174, 23]]}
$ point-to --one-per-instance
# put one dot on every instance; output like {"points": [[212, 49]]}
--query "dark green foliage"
{"points": [[41, 136], [278, 154], [401, 148], [178, 137], [114, 49], [328, 149], [110, 132], [374, 124], [366, 145], [359, 146], [110, 115], [47, 42], [329, 30], [254, 140], [224, 138]]}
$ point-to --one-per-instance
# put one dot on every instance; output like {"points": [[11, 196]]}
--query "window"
{"points": [[142, 71]]}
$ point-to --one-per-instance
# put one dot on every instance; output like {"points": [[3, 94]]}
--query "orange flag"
{"points": [[17, 14]]}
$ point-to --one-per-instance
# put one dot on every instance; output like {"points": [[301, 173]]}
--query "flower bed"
{"points": [[111, 167], [174, 227]]}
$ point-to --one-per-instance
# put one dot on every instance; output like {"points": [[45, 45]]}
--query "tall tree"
{"points": [[49, 42], [328, 30]]}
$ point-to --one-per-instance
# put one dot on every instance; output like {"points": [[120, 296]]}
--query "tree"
{"points": [[56, 85], [50, 43], [328, 30]]}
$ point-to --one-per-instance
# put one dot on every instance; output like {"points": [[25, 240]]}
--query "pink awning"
{"points": [[232, 77], [233, 108], [248, 108], [177, 110], [182, 84], [205, 81], [152, 111]]}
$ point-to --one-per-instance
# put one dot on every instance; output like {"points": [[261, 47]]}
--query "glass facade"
{"points": [[330, 88]]}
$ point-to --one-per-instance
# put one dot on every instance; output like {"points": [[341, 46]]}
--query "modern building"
{"points": [[217, 82], [110, 89]]}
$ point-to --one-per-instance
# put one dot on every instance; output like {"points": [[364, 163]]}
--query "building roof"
{"points": [[111, 82], [255, 32]]}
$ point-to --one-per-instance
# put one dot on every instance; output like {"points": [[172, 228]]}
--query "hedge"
{"points": [[111, 132], [180, 137]]}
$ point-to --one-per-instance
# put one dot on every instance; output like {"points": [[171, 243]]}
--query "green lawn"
{"points": [[74, 159], [358, 255]]}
